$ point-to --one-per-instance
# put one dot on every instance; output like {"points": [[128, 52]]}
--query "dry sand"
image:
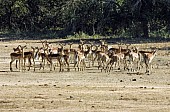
{"points": [[85, 91]]}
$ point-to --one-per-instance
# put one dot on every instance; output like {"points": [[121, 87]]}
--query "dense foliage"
{"points": [[134, 18]]}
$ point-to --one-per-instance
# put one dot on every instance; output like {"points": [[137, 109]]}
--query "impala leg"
{"points": [[29, 60], [16, 64], [24, 68], [118, 64], [80, 65], [75, 63], [60, 65], [92, 60], [50, 64], [111, 65], [146, 68], [99, 64], [19, 64], [138, 65], [12, 60], [42, 63], [67, 63], [84, 64], [34, 65]]}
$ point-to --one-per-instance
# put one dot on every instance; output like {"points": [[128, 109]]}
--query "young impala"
{"points": [[147, 58], [18, 55], [134, 59]]}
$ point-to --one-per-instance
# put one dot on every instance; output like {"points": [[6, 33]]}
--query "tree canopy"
{"points": [[134, 18]]}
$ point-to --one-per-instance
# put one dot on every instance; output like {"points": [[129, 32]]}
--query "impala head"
{"points": [[61, 47], [154, 52], [82, 41], [127, 46], [81, 46], [135, 49], [17, 49], [20, 48], [34, 48], [36, 52], [41, 50], [70, 44], [119, 45], [91, 42], [103, 42], [88, 47], [44, 43]]}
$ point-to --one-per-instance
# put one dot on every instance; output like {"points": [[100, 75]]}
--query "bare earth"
{"points": [[87, 91]]}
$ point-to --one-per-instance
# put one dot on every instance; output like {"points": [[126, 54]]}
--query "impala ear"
{"points": [[69, 43], [137, 48], [153, 48], [25, 46], [36, 48], [90, 42], [127, 45], [32, 47], [81, 41], [19, 46], [119, 44], [61, 44], [155, 52], [64, 44]]}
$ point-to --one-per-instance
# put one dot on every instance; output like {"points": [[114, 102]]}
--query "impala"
{"points": [[134, 59], [19, 55], [79, 60], [148, 57]]}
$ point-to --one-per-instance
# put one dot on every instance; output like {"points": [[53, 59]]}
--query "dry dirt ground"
{"points": [[87, 91]]}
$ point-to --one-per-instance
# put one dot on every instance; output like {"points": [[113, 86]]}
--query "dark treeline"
{"points": [[135, 18]]}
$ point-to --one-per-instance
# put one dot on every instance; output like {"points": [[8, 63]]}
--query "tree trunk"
{"points": [[145, 28], [9, 13], [94, 32]]}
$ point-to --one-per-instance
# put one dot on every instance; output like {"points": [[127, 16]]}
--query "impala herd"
{"points": [[85, 55]]}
